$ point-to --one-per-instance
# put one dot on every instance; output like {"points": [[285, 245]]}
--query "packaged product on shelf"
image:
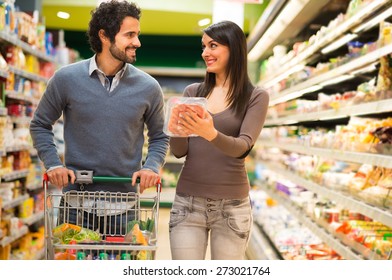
{"points": [[385, 35], [3, 63], [176, 106], [384, 78], [384, 139], [373, 184], [2, 16], [26, 209], [371, 234]]}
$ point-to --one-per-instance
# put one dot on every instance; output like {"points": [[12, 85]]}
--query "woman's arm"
{"points": [[251, 127]]}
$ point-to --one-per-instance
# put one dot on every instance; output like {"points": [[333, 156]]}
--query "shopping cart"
{"points": [[100, 225]]}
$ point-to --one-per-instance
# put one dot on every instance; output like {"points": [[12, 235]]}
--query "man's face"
{"points": [[126, 41]]}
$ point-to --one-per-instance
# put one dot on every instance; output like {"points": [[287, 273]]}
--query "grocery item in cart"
{"points": [[88, 232], [176, 106], [66, 233]]}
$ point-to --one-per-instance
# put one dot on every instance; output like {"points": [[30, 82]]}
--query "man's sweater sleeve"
{"points": [[158, 141]]}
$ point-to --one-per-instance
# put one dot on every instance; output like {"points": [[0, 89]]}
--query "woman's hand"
{"points": [[173, 124], [191, 122]]}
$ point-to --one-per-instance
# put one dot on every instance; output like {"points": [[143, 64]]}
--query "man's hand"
{"points": [[148, 179], [61, 176]]}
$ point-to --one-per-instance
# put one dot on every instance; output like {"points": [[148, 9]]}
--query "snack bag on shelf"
{"points": [[176, 107], [358, 181], [372, 177]]}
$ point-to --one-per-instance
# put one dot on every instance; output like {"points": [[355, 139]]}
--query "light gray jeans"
{"points": [[193, 220]]}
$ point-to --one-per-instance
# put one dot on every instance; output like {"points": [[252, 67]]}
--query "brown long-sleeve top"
{"points": [[216, 169]]}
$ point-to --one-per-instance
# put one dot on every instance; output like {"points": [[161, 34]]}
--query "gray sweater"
{"points": [[215, 169], [103, 131]]}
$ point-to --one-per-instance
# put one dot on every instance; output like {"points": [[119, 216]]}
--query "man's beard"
{"points": [[119, 55]]}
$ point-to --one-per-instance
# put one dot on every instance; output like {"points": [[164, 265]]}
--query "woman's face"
{"points": [[215, 55]]}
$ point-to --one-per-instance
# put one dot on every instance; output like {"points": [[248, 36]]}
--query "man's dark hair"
{"points": [[109, 17]]}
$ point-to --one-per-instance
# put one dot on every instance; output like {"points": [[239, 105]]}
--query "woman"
{"points": [[212, 195]]}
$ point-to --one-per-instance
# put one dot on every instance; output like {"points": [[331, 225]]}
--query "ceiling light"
{"points": [[204, 22], [63, 15]]}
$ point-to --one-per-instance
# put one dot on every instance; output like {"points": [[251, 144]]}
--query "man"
{"points": [[106, 104]]}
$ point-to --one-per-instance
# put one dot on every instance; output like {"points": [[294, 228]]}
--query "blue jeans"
{"points": [[195, 220]]}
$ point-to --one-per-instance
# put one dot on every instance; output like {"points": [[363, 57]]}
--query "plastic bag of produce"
{"points": [[67, 233]]}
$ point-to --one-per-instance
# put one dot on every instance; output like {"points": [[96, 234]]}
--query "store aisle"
{"points": [[163, 250]]}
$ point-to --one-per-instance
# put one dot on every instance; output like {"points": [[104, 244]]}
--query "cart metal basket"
{"points": [[100, 225]]}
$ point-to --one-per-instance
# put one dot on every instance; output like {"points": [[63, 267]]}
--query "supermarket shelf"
{"points": [[357, 157], [301, 88], [4, 74], [34, 186], [27, 74], [375, 212], [36, 217], [288, 65], [13, 39], [21, 120], [3, 111], [292, 16], [375, 107], [342, 249], [17, 148], [15, 175], [21, 97], [260, 247], [15, 202], [367, 253], [9, 239]]}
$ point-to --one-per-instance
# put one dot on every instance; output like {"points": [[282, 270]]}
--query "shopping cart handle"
{"points": [[86, 177], [108, 179]]}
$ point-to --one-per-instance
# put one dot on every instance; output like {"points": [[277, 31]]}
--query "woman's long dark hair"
{"points": [[240, 89]]}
